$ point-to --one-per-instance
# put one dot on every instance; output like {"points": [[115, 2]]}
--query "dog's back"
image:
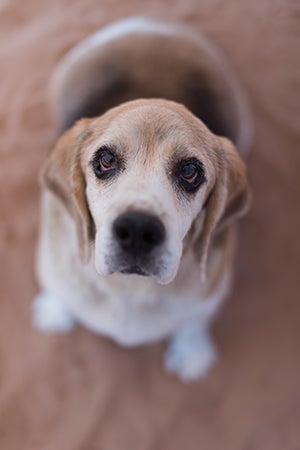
{"points": [[144, 58]]}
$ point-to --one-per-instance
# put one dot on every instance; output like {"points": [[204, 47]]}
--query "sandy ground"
{"points": [[81, 392]]}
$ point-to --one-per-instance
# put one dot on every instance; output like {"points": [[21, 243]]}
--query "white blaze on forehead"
{"points": [[134, 189]]}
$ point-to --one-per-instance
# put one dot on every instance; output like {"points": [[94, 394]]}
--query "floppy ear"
{"points": [[228, 200], [62, 174]]}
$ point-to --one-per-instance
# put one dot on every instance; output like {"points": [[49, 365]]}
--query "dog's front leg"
{"points": [[50, 315], [191, 352]]}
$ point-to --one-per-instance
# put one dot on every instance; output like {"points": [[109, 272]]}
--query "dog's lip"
{"points": [[134, 269]]}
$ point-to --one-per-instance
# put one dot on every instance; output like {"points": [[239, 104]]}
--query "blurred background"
{"points": [[82, 392]]}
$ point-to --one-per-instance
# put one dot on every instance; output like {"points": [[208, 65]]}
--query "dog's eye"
{"points": [[106, 160], [104, 163], [190, 174]]}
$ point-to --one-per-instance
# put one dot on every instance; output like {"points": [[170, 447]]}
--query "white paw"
{"points": [[190, 359], [50, 315]]}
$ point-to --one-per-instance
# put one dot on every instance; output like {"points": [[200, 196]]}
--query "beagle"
{"points": [[142, 191]]}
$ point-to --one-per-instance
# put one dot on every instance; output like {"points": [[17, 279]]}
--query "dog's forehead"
{"points": [[153, 128]]}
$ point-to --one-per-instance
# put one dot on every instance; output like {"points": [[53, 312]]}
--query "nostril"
{"points": [[154, 235], [149, 237], [122, 233]]}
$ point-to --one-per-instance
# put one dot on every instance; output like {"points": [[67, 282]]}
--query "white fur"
{"points": [[50, 315], [191, 352]]}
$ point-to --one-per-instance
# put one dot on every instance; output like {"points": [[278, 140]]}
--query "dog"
{"points": [[142, 192]]}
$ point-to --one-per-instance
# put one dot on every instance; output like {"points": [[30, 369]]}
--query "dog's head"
{"points": [[140, 180]]}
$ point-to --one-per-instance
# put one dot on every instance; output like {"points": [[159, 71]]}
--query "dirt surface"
{"points": [[82, 392]]}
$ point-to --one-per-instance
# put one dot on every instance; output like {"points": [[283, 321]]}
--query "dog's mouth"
{"points": [[129, 265], [134, 269], [152, 267]]}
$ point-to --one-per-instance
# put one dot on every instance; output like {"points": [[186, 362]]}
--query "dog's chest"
{"points": [[139, 311]]}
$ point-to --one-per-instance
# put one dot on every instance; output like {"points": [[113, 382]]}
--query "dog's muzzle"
{"points": [[138, 235]]}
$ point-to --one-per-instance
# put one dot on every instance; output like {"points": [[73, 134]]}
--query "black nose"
{"points": [[137, 232]]}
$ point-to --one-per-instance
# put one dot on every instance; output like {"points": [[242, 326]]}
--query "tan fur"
{"points": [[228, 200], [63, 175]]}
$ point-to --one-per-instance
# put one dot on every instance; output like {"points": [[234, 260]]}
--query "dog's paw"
{"points": [[190, 358], [49, 315]]}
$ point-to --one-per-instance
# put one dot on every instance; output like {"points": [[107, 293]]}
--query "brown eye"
{"points": [[104, 163], [190, 174], [107, 160]]}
